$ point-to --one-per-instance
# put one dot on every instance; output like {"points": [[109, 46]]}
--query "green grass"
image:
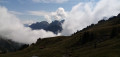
{"points": [[71, 45], [108, 48]]}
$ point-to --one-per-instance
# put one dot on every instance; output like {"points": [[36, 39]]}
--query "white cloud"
{"points": [[49, 16], [46, 15], [84, 14], [15, 12], [28, 22], [59, 14], [80, 16], [12, 28], [39, 13], [50, 1]]}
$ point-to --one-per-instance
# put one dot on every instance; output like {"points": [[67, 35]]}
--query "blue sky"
{"points": [[23, 6]]}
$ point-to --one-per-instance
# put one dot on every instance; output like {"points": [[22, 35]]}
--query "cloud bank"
{"points": [[49, 16], [84, 14], [16, 13], [50, 1], [80, 16], [12, 28]]}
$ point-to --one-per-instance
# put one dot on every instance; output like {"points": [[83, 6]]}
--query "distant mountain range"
{"points": [[55, 26], [97, 40]]}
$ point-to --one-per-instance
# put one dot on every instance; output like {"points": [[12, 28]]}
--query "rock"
{"points": [[35, 56]]}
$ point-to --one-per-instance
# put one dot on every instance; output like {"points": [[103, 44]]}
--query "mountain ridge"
{"points": [[54, 26], [97, 40]]}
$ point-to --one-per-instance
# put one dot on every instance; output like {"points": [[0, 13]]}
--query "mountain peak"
{"points": [[55, 26]]}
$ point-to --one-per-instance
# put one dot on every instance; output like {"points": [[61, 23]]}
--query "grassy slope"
{"points": [[68, 46]]}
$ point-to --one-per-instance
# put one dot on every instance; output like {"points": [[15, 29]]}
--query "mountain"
{"points": [[97, 40], [9, 45], [55, 26], [39, 25]]}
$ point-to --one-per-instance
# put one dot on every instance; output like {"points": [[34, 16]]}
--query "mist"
{"points": [[80, 16], [12, 28], [84, 14], [59, 14]]}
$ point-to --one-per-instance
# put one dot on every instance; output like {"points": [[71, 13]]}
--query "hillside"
{"points": [[9, 45], [97, 40]]}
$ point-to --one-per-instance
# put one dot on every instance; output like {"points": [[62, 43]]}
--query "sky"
{"points": [[22, 7], [77, 14]]}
